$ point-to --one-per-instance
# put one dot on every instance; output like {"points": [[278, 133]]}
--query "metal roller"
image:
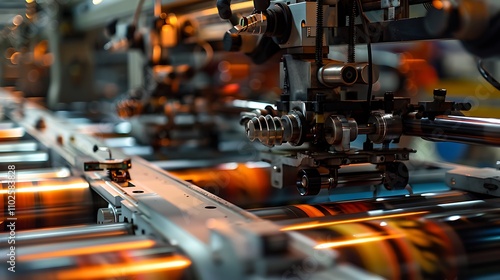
{"points": [[25, 160], [455, 128], [64, 234], [421, 244], [39, 174], [49, 203], [297, 211], [335, 74], [122, 257]]}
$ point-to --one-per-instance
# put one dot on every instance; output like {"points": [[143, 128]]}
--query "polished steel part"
{"points": [[363, 71], [39, 174], [310, 182], [484, 131], [152, 216], [49, 202], [420, 201], [100, 257], [254, 24], [388, 127], [67, 233], [340, 131], [272, 131], [477, 180], [337, 74], [18, 146], [209, 230]]}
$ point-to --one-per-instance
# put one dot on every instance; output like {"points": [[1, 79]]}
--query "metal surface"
{"points": [[456, 128], [78, 202], [67, 233], [416, 243], [418, 201], [478, 180], [127, 256], [49, 202]]}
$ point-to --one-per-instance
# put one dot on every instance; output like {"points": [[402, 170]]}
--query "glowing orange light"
{"points": [[316, 224], [156, 53], [48, 188], [236, 6], [310, 210], [94, 249], [337, 244], [40, 49], [172, 19], [415, 61], [231, 89], [437, 4], [111, 270], [16, 132], [168, 37]]}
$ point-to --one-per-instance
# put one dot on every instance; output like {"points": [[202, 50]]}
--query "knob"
{"points": [[106, 216], [308, 182], [395, 176]]}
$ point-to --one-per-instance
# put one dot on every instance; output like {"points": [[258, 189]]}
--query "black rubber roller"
{"points": [[308, 182], [396, 176], [232, 42], [224, 8]]}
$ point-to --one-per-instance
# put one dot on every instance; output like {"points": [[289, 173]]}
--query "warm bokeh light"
{"points": [[437, 4], [168, 36], [156, 54], [49, 187], [172, 19], [316, 224], [16, 132]]}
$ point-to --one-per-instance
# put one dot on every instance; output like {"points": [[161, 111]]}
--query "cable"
{"points": [[351, 44], [319, 33], [486, 75], [365, 22]]}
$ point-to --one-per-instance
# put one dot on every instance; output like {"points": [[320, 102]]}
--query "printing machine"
{"points": [[241, 140]]}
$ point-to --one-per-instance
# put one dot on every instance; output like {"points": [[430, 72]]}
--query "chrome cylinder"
{"points": [[49, 203], [456, 129], [65, 234], [388, 127], [123, 257], [337, 74], [363, 71]]}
